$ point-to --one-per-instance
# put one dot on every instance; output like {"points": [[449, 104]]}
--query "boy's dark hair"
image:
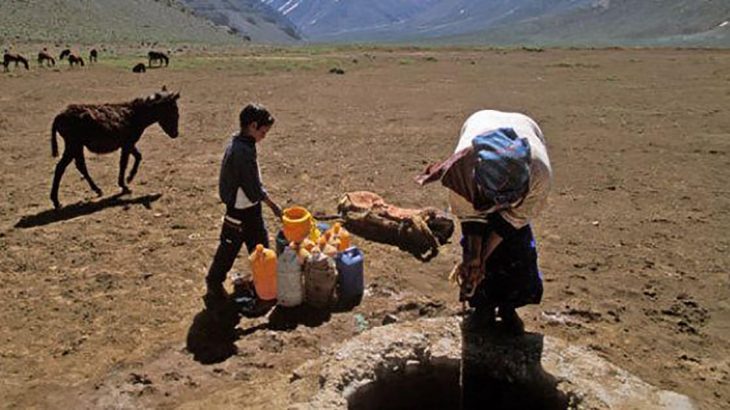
{"points": [[255, 113]]}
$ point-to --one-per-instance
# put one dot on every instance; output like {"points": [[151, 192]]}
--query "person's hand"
{"points": [[276, 209], [470, 275]]}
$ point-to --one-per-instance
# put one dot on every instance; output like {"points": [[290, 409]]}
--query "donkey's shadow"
{"points": [[84, 208]]}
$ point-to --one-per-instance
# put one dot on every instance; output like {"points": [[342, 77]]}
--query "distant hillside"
{"points": [[249, 18], [618, 22], [106, 21], [580, 22]]}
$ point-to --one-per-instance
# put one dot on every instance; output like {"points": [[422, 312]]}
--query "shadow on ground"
{"points": [[83, 208]]}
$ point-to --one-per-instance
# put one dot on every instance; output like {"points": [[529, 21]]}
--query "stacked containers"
{"points": [[320, 278], [299, 225], [351, 279], [290, 289], [263, 266]]}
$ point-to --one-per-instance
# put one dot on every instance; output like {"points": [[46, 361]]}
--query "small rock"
{"points": [[390, 318], [135, 378]]}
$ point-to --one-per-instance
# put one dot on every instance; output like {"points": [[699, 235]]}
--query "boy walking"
{"points": [[242, 192]]}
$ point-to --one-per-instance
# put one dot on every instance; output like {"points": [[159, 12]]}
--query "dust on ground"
{"points": [[98, 301]]}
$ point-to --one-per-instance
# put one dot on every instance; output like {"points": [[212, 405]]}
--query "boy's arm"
{"points": [[275, 208]]}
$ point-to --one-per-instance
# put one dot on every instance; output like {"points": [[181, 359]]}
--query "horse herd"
{"points": [[74, 59], [105, 128]]}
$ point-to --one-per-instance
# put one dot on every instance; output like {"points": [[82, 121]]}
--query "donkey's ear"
{"points": [[175, 96]]}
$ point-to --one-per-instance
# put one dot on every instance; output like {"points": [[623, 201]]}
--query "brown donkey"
{"points": [[105, 128]]}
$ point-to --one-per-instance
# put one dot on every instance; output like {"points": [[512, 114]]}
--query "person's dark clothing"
{"points": [[240, 169], [243, 222], [511, 275], [251, 231]]}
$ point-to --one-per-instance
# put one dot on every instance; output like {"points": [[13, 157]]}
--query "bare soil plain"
{"points": [[97, 301]]}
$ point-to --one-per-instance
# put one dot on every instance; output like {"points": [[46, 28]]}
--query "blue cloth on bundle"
{"points": [[502, 169]]}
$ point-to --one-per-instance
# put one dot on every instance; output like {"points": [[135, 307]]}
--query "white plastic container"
{"points": [[290, 289]]}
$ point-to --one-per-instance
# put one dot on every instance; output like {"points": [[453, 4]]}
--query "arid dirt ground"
{"points": [[97, 301]]}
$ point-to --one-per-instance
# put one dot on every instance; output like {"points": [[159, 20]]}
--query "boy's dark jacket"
{"points": [[239, 169]]}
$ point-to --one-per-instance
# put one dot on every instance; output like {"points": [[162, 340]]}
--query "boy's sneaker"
{"points": [[511, 321]]}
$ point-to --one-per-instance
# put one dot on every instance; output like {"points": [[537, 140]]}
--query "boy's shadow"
{"points": [[212, 336]]}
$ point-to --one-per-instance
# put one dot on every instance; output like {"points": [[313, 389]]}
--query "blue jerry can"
{"points": [[350, 266]]}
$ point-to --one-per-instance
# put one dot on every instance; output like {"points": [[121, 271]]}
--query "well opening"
{"points": [[440, 387], [415, 387]]}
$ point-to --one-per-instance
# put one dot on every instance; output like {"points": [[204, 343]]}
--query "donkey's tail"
{"points": [[54, 144]]}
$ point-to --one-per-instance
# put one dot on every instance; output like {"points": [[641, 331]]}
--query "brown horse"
{"points": [[105, 128], [44, 56], [17, 58], [93, 56], [159, 57], [73, 59]]}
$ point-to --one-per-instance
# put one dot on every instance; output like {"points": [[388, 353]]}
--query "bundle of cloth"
{"points": [[418, 231]]}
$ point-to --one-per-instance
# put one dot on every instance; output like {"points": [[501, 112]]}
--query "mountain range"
{"points": [[481, 22], [252, 19], [603, 22]]}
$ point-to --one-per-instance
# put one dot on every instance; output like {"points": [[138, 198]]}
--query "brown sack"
{"points": [[419, 231]]}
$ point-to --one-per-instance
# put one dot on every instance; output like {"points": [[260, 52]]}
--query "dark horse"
{"points": [[44, 56], [105, 128], [93, 56], [17, 58], [64, 53], [73, 59], [159, 57], [139, 68]]}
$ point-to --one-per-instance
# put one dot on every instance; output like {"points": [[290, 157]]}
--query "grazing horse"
{"points": [[139, 68], [65, 53], [17, 58], [45, 56], [93, 55], [73, 59], [105, 128], [158, 56]]}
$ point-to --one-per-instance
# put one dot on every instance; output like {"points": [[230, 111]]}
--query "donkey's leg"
{"points": [[60, 168], [137, 159], [123, 161], [80, 162]]}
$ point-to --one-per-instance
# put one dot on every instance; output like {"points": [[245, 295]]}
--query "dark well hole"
{"points": [[438, 387], [416, 387]]}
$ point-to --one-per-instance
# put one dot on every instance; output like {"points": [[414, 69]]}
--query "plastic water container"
{"points": [[298, 224], [340, 236], [320, 278], [289, 285], [263, 266], [350, 266], [323, 226], [281, 242]]}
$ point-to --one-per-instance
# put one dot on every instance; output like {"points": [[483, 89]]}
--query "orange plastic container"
{"points": [[263, 266], [298, 224], [340, 236]]}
